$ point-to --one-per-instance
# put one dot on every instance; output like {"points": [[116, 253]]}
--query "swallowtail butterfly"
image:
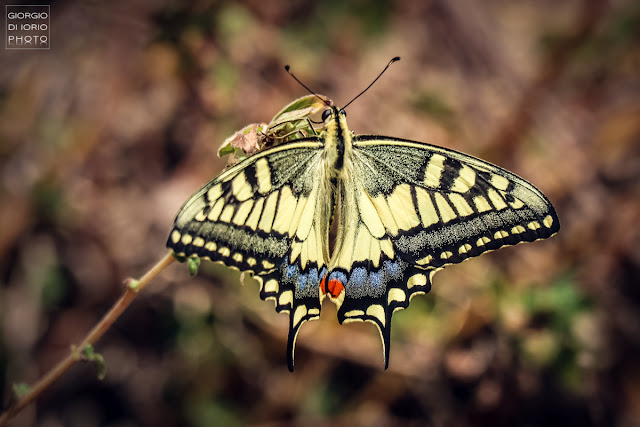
{"points": [[403, 210]]}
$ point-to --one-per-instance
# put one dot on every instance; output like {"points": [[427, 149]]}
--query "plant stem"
{"points": [[131, 291]]}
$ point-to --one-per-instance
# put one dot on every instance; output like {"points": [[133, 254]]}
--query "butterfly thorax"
{"points": [[337, 139]]}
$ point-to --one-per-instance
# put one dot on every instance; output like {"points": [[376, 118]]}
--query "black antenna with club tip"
{"points": [[288, 69], [397, 58]]}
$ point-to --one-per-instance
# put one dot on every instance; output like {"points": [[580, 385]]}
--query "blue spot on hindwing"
{"points": [[302, 281], [338, 275], [358, 276], [375, 278], [313, 277], [292, 271], [392, 269]]}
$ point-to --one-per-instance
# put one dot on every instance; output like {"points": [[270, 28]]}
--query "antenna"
{"points": [[397, 58], [286, 67]]}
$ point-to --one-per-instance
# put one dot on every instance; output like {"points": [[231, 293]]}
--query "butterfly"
{"points": [[402, 210]]}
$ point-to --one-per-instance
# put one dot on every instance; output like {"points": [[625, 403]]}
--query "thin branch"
{"points": [[131, 291]]}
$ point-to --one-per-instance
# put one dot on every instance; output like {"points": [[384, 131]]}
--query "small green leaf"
{"points": [[194, 264], [92, 356], [291, 123], [310, 104], [21, 389], [133, 284]]}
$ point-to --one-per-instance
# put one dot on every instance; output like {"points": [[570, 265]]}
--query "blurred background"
{"points": [[105, 135]]}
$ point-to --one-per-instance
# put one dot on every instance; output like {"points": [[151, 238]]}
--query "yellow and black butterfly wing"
{"points": [[261, 216], [408, 209]]}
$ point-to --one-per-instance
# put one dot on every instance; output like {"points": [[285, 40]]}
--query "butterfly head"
{"points": [[332, 113]]}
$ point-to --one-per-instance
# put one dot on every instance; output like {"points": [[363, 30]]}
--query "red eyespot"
{"points": [[335, 288]]}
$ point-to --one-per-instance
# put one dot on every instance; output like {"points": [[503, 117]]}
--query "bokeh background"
{"points": [[105, 135]]}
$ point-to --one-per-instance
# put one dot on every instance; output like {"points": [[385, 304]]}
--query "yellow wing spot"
{"points": [[516, 203], [377, 311], [374, 252], [263, 176], [286, 208], [460, 204], [446, 255], [433, 173], [200, 216], [214, 213], [268, 265], [446, 212], [396, 294], [416, 280], [354, 313], [251, 261], [304, 254], [482, 241], [286, 298], [465, 180], [227, 214], [175, 236], [296, 248], [312, 247], [533, 225], [548, 221], [214, 192], [518, 229], [224, 251], [428, 213], [237, 257], [295, 218], [500, 182], [403, 210], [464, 248], [482, 205], [425, 260], [254, 217], [211, 246], [363, 244], [300, 312], [243, 212], [496, 199], [186, 239], [271, 286], [314, 312], [500, 234], [241, 188], [268, 213], [346, 250], [306, 221], [387, 247], [198, 241], [369, 215], [380, 202]]}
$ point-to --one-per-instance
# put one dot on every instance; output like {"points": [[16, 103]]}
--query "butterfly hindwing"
{"points": [[420, 208], [262, 216]]}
